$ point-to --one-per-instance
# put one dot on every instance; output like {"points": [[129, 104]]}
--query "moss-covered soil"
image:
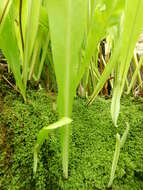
{"points": [[92, 147]]}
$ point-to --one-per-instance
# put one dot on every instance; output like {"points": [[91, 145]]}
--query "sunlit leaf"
{"points": [[67, 23]]}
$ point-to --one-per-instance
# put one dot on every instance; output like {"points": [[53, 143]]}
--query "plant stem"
{"points": [[115, 160], [20, 24], [124, 137], [65, 149]]}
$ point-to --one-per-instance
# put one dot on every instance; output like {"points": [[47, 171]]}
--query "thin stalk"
{"points": [[93, 76], [135, 75], [115, 160], [119, 144], [85, 81], [20, 24], [43, 57], [135, 62], [104, 63], [65, 133], [65, 136], [127, 83], [124, 137], [96, 74]]}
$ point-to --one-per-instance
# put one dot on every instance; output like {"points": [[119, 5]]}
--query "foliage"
{"points": [[69, 37], [64, 17], [44, 133], [91, 155]]}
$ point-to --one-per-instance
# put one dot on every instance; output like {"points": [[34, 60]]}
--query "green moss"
{"points": [[92, 147]]}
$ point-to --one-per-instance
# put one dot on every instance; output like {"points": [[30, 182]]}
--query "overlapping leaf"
{"points": [[131, 29], [30, 35], [9, 46]]}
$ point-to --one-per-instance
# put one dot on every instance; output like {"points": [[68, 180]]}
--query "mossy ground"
{"points": [[92, 147]]}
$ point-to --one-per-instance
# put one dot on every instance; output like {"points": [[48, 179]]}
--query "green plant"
{"points": [[43, 134], [91, 155], [64, 17], [18, 36], [8, 43], [131, 26], [69, 36]]}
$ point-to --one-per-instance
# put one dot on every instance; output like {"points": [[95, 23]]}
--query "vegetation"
{"points": [[91, 155], [81, 47]]}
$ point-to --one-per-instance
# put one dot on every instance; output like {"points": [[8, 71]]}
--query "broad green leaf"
{"points": [[43, 135], [67, 21]]}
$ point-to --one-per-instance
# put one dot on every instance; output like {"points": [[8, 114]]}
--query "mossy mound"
{"points": [[92, 147]]}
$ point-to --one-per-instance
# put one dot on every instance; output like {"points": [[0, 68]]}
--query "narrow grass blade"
{"points": [[135, 75], [136, 63], [108, 69]]}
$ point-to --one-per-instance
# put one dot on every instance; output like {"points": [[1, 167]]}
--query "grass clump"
{"points": [[92, 147]]}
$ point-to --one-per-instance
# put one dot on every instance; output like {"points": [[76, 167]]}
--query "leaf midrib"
{"points": [[68, 56]]}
